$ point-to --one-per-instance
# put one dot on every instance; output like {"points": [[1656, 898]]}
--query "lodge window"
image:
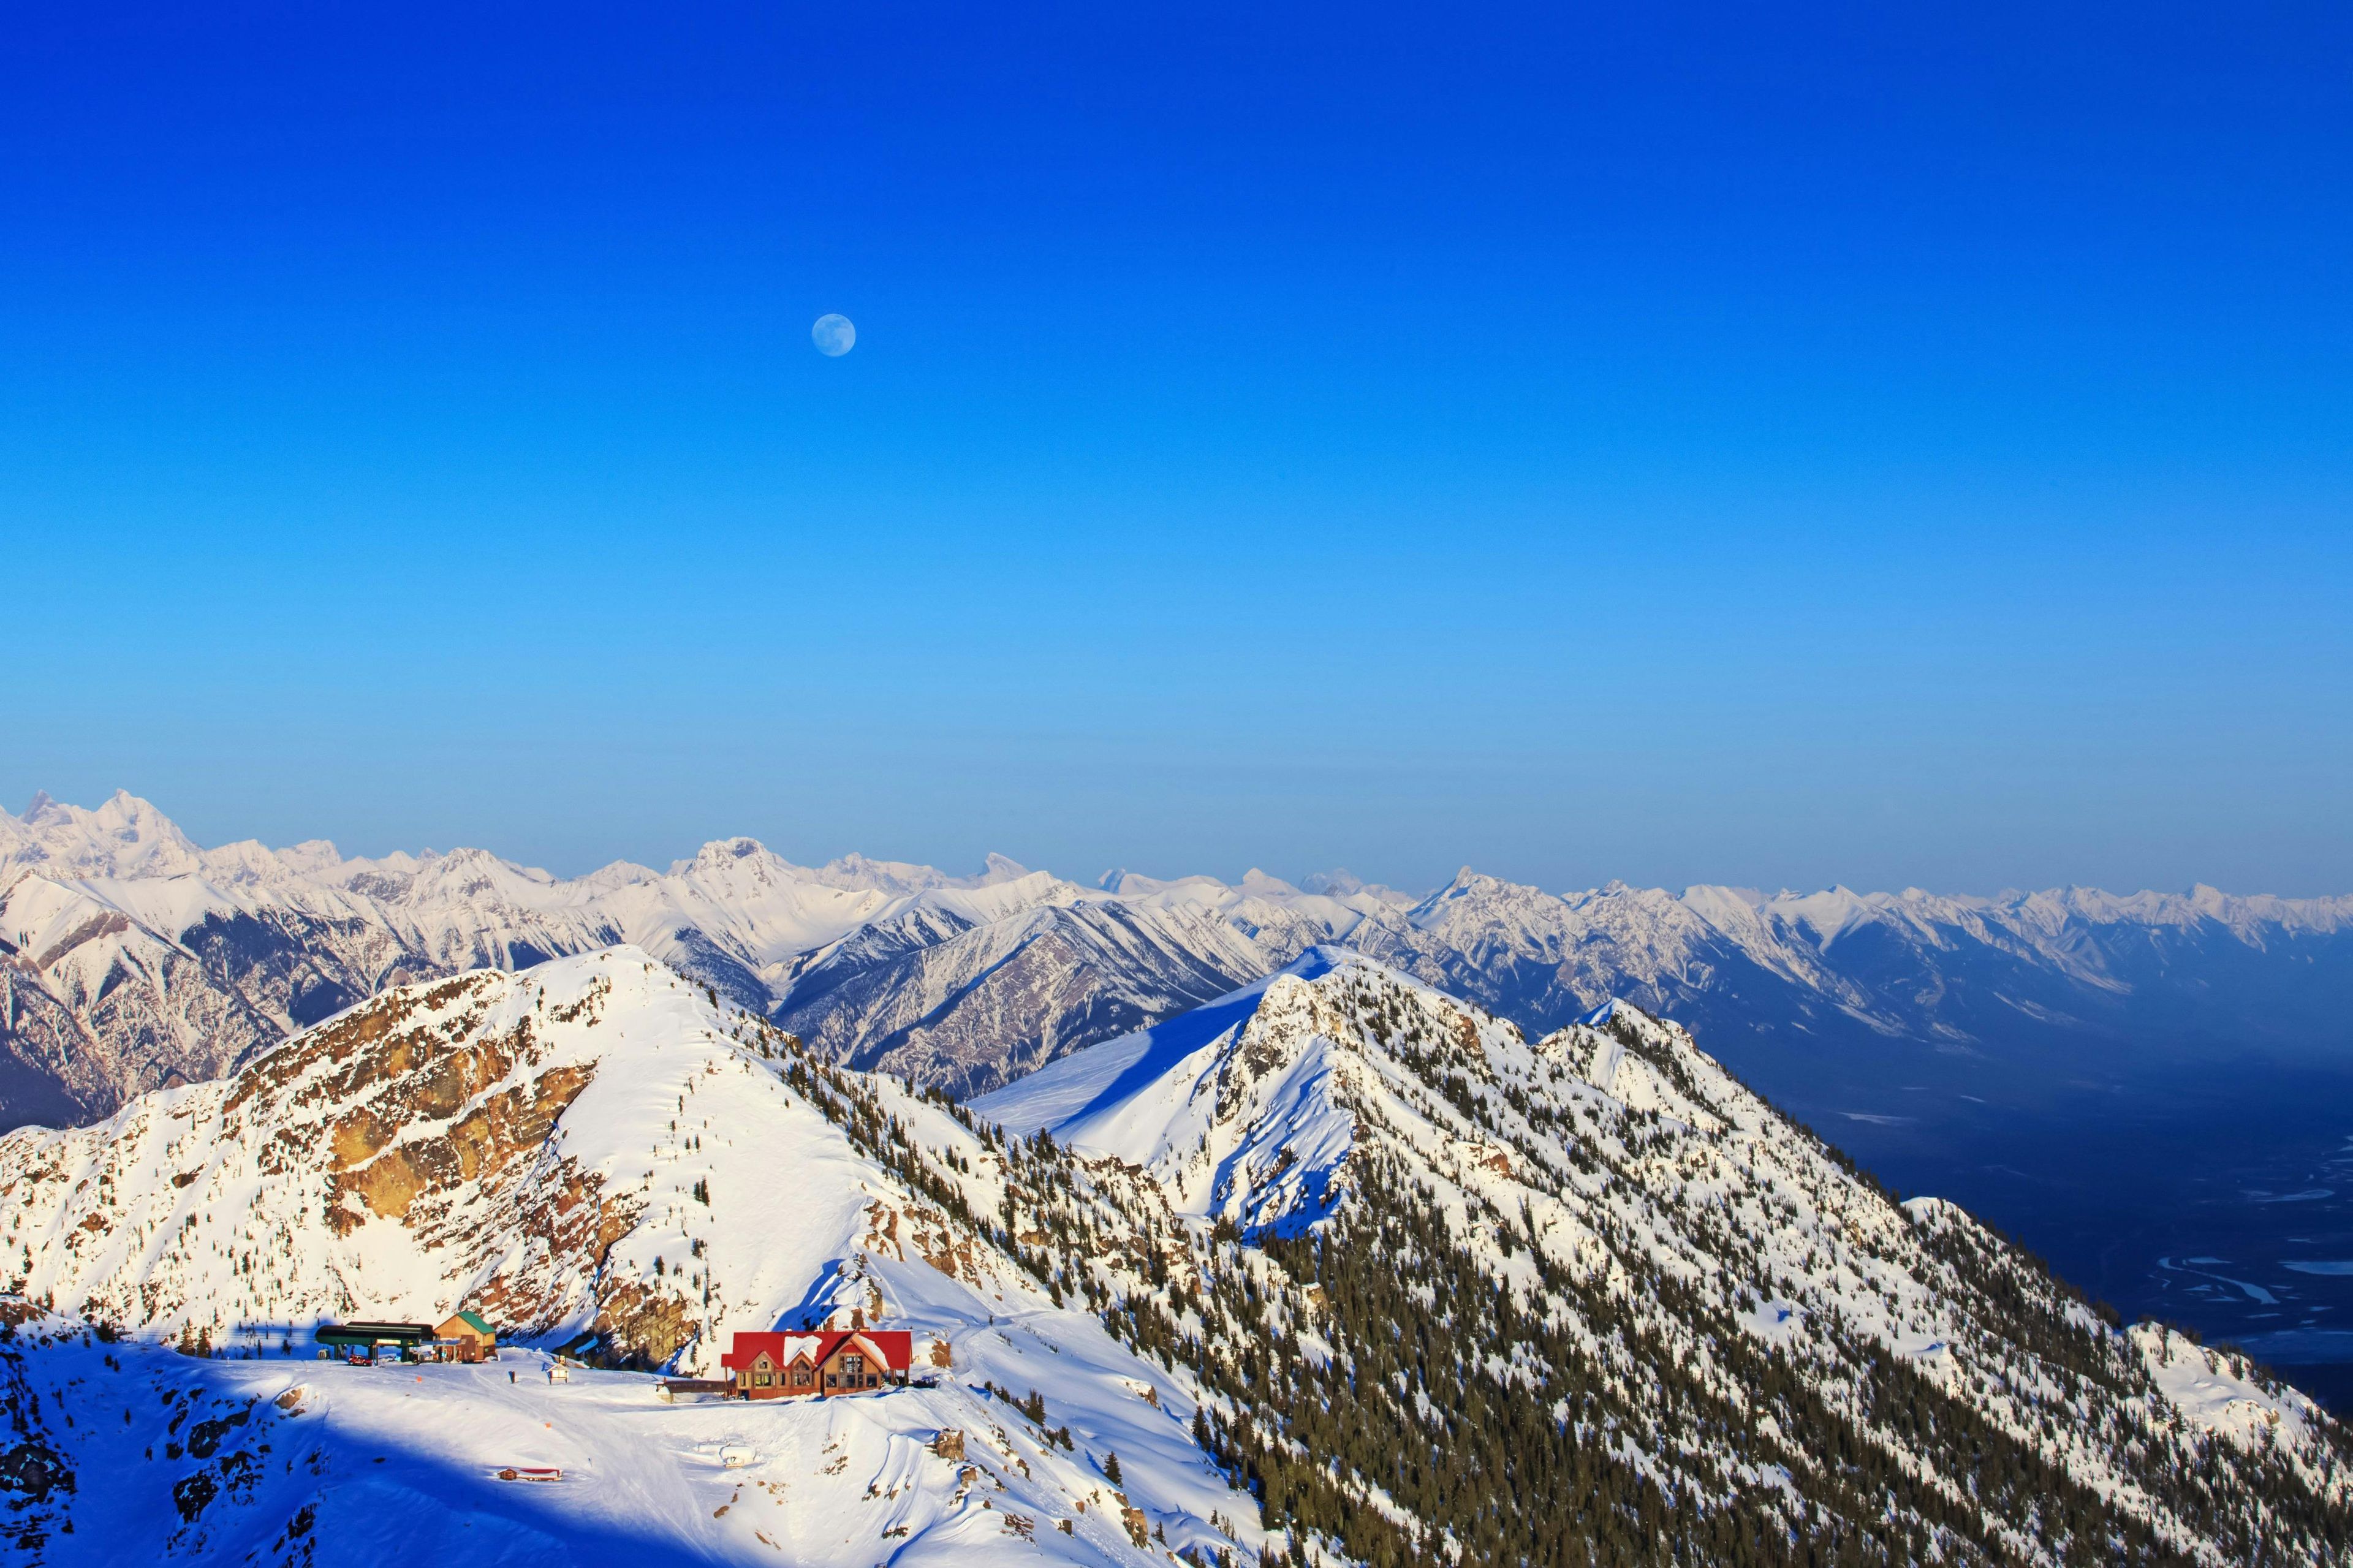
{"points": [[801, 1378], [760, 1378]]}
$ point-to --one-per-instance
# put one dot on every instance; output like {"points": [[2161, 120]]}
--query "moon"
{"points": [[833, 335]]}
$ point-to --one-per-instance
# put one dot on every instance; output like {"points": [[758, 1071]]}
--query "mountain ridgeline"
{"points": [[1334, 1267], [1591, 1301], [130, 959]]}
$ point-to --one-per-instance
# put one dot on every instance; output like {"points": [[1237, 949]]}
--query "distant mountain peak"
{"points": [[1464, 881], [312, 856], [967, 981]]}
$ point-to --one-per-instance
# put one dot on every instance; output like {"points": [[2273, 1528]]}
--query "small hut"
{"points": [[464, 1336]]}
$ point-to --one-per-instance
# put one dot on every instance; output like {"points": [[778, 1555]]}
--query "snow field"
{"points": [[383, 1463]]}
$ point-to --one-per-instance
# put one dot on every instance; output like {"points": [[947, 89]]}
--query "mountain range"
{"points": [[133, 959], [1333, 1267]]}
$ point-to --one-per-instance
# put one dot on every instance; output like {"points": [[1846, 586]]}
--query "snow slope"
{"points": [[594, 1147], [277, 1460]]}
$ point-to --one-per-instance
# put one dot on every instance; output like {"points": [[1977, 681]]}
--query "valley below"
{"points": [[2219, 1201]]}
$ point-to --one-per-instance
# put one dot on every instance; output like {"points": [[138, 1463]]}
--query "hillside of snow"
{"points": [[595, 1153], [145, 1455]]}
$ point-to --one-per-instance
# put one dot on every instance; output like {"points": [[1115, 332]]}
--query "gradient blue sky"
{"points": [[1878, 444]]}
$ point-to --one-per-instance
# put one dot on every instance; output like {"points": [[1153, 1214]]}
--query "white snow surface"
{"points": [[355, 1466], [2217, 1391]]}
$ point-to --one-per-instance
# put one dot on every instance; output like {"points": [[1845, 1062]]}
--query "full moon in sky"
{"points": [[833, 335]]}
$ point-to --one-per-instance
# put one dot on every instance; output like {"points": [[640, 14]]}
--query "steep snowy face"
{"points": [[1254, 1109], [1678, 1265], [1246, 1110]]}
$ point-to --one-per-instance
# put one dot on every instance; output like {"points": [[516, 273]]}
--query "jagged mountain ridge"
{"points": [[1690, 1279], [130, 958]]}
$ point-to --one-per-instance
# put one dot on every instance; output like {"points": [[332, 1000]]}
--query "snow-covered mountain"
{"points": [[1575, 1270], [1334, 1268], [130, 959], [593, 1148]]}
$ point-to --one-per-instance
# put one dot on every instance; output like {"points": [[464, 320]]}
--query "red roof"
{"points": [[894, 1347]]}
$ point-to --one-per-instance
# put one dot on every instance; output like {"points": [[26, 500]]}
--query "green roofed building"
{"points": [[465, 1336]]}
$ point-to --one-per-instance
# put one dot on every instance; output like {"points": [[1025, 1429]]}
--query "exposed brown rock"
{"points": [[356, 1139], [642, 1324]]}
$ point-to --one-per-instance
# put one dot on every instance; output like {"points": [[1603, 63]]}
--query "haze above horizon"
{"points": [[122, 837], [1693, 446]]}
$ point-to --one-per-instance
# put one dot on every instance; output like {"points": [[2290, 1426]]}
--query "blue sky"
{"points": [[1702, 443]]}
